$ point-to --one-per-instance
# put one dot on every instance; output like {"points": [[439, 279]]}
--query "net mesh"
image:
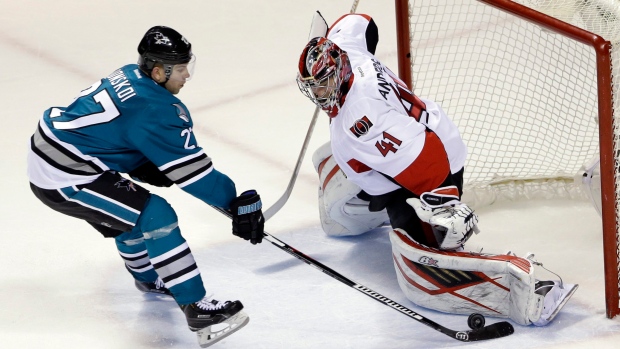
{"points": [[524, 98]]}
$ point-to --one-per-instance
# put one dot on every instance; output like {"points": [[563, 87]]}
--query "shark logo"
{"points": [[181, 113], [161, 39], [125, 184]]}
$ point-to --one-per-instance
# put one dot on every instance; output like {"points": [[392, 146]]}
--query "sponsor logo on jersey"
{"points": [[361, 126], [359, 69], [428, 261]]}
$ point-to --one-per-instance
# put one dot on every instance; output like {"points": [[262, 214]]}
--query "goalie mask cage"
{"points": [[528, 83]]}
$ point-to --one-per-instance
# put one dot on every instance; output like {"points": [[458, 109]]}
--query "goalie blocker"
{"points": [[464, 283]]}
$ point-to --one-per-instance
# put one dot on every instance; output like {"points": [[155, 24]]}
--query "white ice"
{"points": [[63, 286]]}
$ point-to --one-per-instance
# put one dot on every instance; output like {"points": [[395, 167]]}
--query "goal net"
{"points": [[528, 82]]}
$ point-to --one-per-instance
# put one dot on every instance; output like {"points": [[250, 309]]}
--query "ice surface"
{"points": [[63, 286]]}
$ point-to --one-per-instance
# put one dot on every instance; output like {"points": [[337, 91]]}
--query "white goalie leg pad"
{"points": [[342, 212], [465, 282]]}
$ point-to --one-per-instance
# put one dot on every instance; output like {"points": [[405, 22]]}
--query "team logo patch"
{"points": [[125, 184], [361, 126], [181, 113], [161, 39]]}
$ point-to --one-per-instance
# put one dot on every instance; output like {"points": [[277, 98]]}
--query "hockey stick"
{"points": [[273, 209], [496, 330], [282, 200]]}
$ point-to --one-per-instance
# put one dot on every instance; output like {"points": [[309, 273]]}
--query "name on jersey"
{"points": [[121, 85], [384, 86]]}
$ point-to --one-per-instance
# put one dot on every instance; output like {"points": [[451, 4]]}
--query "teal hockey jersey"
{"points": [[117, 124]]}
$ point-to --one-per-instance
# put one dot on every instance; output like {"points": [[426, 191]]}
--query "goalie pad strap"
{"points": [[464, 282]]}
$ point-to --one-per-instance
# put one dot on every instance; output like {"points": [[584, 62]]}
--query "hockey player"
{"points": [[398, 157], [131, 122]]}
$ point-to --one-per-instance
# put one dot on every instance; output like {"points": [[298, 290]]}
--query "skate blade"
{"points": [[563, 302], [215, 333]]}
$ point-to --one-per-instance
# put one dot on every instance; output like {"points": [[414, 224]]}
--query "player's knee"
{"points": [[157, 219]]}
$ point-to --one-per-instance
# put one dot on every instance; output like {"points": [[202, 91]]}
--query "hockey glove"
{"points": [[453, 222], [247, 217], [149, 173]]}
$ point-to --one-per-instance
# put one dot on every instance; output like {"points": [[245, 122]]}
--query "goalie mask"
{"points": [[324, 74], [166, 46]]}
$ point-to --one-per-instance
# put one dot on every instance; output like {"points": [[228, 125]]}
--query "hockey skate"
{"points": [[153, 287], [213, 320], [555, 294]]}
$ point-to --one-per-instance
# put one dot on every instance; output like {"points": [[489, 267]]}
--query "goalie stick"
{"points": [[496, 330], [319, 27], [273, 209]]}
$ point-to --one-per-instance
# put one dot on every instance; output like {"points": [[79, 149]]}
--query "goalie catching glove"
{"points": [[247, 216], [452, 221]]}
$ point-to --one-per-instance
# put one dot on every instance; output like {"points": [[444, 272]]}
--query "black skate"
{"points": [[213, 320], [153, 287]]}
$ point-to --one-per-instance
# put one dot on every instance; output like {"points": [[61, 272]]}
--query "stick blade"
{"points": [[496, 330]]}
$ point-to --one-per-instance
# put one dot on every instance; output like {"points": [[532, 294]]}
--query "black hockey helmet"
{"points": [[166, 46]]}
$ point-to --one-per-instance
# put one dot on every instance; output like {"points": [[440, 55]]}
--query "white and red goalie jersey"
{"points": [[383, 128]]}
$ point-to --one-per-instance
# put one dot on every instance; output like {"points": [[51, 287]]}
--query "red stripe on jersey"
{"points": [[358, 166], [519, 262], [428, 170]]}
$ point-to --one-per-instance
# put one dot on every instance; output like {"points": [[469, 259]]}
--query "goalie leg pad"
{"points": [[342, 212], [465, 282]]}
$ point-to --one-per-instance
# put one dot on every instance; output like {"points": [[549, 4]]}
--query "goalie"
{"points": [[397, 158]]}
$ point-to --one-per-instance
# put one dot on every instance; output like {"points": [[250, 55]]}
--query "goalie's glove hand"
{"points": [[149, 173], [453, 221], [247, 216]]}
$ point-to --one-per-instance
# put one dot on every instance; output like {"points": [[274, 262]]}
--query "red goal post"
{"points": [[534, 87]]}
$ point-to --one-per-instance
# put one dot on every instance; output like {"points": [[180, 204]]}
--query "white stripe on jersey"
{"points": [[178, 161]]}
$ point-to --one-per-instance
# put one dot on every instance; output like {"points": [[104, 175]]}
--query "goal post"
{"points": [[534, 87]]}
